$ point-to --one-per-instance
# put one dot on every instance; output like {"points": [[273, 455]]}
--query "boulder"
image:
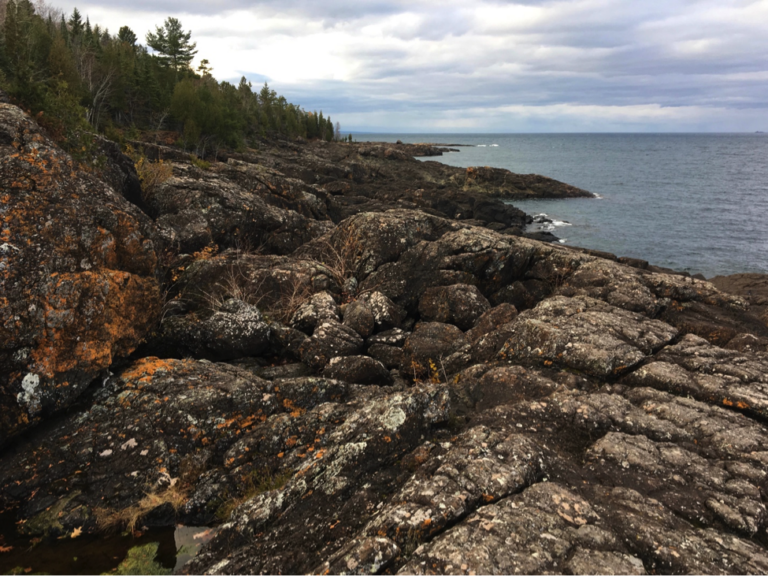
{"points": [[358, 370], [358, 315], [78, 268], [386, 314], [330, 339], [392, 337], [434, 350], [235, 329], [389, 356], [491, 320], [320, 307], [459, 304]]}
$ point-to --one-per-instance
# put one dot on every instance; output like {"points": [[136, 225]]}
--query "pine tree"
{"points": [[127, 36], [64, 30], [76, 24], [173, 44]]}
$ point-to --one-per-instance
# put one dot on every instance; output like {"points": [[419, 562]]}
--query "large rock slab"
{"points": [[585, 334], [77, 276], [200, 209], [335, 450], [709, 373], [158, 425]]}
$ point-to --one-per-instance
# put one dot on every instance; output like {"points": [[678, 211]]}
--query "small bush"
{"points": [[199, 162], [151, 174]]}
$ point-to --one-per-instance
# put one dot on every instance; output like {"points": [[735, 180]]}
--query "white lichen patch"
{"points": [[394, 418], [30, 396]]}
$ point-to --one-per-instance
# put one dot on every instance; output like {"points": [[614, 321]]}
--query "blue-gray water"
{"points": [[695, 202]]}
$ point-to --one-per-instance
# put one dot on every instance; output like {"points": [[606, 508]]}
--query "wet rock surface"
{"points": [[396, 381]]}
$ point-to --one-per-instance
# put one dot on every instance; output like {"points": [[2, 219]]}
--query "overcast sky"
{"points": [[485, 66]]}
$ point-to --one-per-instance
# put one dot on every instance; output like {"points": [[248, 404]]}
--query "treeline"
{"points": [[77, 78]]}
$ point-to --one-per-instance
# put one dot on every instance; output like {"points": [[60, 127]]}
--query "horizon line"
{"points": [[396, 133]]}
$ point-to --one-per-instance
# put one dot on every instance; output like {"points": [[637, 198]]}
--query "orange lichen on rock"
{"points": [[78, 285], [143, 370]]}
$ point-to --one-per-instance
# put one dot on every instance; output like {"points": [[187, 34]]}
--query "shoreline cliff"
{"points": [[346, 360]]}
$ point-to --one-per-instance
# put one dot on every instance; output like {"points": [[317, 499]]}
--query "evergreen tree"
{"points": [[76, 24], [173, 44], [127, 36], [64, 30], [71, 70]]}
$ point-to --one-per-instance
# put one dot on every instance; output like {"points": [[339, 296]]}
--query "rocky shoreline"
{"points": [[350, 361]]}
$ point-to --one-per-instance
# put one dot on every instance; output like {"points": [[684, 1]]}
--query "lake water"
{"points": [[693, 202]]}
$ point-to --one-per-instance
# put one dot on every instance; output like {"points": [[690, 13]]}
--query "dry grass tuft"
{"points": [[291, 299], [129, 517], [340, 261]]}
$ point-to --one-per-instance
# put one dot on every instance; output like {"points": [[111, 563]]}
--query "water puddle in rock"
{"points": [[159, 550]]}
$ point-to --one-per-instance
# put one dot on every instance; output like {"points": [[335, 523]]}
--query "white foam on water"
{"points": [[561, 223], [563, 240], [494, 145], [481, 146]]}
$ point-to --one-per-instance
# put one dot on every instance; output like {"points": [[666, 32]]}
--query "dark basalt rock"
{"points": [[358, 315], [320, 307], [434, 350], [358, 370], [158, 424], [389, 356], [460, 305], [386, 314], [491, 320], [751, 287], [330, 339], [393, 337], [585, 334], [235, 329], [78, 276], [233, 215]]}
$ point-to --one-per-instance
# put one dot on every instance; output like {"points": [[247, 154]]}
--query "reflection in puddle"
{"points": [[189, 539], [171, 548]]}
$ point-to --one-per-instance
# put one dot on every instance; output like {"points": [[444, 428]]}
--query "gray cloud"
{"points": [[671, 63]]}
